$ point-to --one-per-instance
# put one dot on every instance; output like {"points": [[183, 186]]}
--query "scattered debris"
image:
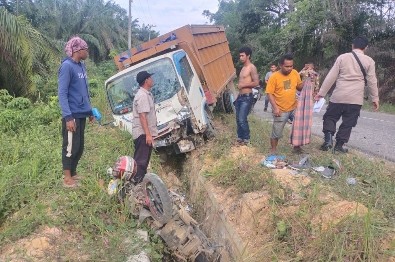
{"points": [[304, 163], [328, 172], [337, 164], [351, 181], [275, 161]]}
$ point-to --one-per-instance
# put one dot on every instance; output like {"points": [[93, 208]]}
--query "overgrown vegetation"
{"points": [[31, 192], [295, 233], [314, 30], [33, 34]]}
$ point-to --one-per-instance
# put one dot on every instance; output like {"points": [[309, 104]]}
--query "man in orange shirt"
{"points": [[281, 89]]}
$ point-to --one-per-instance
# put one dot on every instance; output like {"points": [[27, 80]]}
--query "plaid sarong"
{"points": [[303, 120]]}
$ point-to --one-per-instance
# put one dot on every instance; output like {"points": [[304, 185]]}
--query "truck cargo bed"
{"points": [[206, 45]]}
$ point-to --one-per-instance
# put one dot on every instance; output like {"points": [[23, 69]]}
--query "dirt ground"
{"points": [[253, 215], [44, 245]]}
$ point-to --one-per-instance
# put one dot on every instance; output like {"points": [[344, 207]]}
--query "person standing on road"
{"points": [[75, 105], [273, 68], [248, 79], [144, 124], [303, 114], [309, 72], [347, 97], [281, 89]]}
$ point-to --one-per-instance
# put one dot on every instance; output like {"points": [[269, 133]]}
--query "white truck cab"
{"points": [[180, 102]]}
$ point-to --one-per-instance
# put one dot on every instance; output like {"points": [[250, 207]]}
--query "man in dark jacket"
{"points": [[75, 105]]}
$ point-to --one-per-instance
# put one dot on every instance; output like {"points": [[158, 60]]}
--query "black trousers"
{"points": [[142, 155], [349, 114], [73, 145]]}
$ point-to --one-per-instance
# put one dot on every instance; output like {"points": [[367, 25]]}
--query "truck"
{"points": [[193, 73]]}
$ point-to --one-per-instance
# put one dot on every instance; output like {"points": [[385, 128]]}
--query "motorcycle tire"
{"points": [[157, 198]]}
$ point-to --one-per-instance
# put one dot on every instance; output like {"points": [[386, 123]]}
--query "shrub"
{"points": [[10, 120], [19, 103], [93, 83], [5, 97], [15, 120]]}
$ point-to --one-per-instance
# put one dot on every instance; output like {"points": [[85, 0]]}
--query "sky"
{"points": [[167, 15]]}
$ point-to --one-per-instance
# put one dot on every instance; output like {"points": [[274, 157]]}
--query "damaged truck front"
{"points": [[192, 71]]}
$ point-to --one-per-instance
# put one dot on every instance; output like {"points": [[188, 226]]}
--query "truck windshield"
{"points": [[121, 91]]}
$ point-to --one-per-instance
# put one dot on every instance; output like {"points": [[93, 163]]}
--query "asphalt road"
{"points": [[374, 133]]}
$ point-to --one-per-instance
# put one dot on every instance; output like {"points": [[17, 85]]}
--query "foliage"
{"points": [[24, 52], [33, 35], [31, 192], [314, 30], [5, 97], [16, 121], [19, 103]]}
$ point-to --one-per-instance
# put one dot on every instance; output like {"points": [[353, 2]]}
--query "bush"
{"points": [[5, 97], [93, 83], [15, 120], [19, 103], [10, 120]]}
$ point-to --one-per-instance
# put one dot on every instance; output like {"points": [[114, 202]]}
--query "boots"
{"points": [[339, 147], [328, 143]]}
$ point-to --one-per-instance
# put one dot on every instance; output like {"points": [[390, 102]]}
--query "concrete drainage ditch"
{"points": [[206, 209]]}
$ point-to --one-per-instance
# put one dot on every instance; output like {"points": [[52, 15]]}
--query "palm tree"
{"points": [[22, 49], [31, 46]]}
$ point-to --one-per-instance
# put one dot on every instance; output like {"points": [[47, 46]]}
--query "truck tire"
{"points": [[228, 100], [219, 105], [210, 130], [157, 198]]}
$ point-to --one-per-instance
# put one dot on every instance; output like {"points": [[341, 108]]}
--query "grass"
{"points": [[32, 196], [294, 237], [384, 107]]}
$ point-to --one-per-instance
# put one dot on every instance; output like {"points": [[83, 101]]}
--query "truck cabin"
{"points": [[122, 89]]}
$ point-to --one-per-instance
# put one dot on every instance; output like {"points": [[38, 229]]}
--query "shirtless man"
{"points": [[248, 79]]}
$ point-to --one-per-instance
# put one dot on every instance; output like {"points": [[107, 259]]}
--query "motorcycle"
{"points": [[167, 213]]}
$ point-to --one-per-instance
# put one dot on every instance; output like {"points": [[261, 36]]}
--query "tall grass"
{"points": [[31, 192], [294, 236]]}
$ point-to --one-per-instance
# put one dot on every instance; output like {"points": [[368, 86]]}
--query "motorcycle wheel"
{"points": [[158, 198]]}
